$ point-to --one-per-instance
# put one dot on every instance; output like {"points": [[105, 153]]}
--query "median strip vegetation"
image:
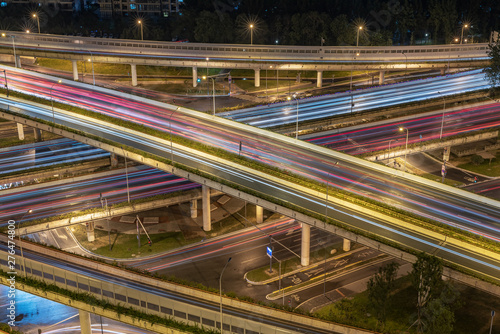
{"points": [[380, 207]]}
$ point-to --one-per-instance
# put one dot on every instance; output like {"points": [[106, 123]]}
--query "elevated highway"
{"points": [[351, 221], [238, 56]]}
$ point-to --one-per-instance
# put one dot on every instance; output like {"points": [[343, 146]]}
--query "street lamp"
{"points": [[406, 63], [142, 33], [208, 87], [357, 35], [442, 119], [406, 147], [104, 204], [352, 64], [465, 26], [52, 102], [91, 59], [6, 85], [126, 175], [14, 47], [251, 34], [20, 242], [220, 292], [37, 21], [297, 122]]}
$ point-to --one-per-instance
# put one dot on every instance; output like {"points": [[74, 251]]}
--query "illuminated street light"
{"points": [[352, 64], [251, 34], [406, 146], [37, 21], [27, 31], [142, 34], [20, 242], [297, 122], [220, 293], [465, 26], [442, 119], [52, 102], [357, 35]]}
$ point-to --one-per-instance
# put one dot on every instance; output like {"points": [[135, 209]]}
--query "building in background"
{"points": [[142, 8]]}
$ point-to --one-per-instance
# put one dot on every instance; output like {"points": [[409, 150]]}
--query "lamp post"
{"points": [[220, 292], [52, 103], [357, 35], [406, 63], [208, 87], [251, 34], [352, 64], [91, 59], [297, 121], [406, 147], [20, 242], [462, 35], [37, 21], [171, 139], [14, 47], [6, 85], [104, 204], [126, 174], [142, 33], [442, 118]]}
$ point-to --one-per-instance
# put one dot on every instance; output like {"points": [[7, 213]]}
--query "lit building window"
{"points": [[132, 6]]}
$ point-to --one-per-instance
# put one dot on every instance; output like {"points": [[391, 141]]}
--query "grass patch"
{"points": [[125, 245], [485, 168], [436, 178]]}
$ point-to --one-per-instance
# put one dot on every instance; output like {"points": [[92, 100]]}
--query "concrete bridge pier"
{"points": [[194, 208], [17, 61], [133, 72], [90, 232], [306, 244], [20, 131], [257, 77], [205, 200], [195, 76], [346, 246], [85, 322], [74, 65], [381, 78], [38, 134], [319, 81], [259, 214], [443, 71], [113, 160]]}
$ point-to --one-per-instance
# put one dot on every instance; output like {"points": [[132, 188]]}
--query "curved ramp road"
{"points": [[358, 100], [350, 174], [46, 201], [46, 154]]}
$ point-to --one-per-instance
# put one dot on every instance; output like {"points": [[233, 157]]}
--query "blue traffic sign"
{"points": [[269, 251]]}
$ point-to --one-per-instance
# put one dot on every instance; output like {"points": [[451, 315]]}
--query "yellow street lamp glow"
{"points": [[401, 129], [34, 15], [251, 34], [204, 77], [3, 34], [360, 28], [88, 59], [139, 22], [27, 31]]}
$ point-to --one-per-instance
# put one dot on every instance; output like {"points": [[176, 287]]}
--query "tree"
{"points": [[426, 279], [439, 318], [380, 287], [492, 71]]}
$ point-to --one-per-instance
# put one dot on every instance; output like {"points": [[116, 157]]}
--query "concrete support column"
{"points": [[195, 76], [205, 200], [113, 160], [18, 61], [90, 232], [381, 78], [259, 214], [133, 72], [306, 244], [319, 81], [347, 245], [38, 134], [20, 131], [443, 71], [257, 77], [84, 322], [74, 64], [194, 208]]}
